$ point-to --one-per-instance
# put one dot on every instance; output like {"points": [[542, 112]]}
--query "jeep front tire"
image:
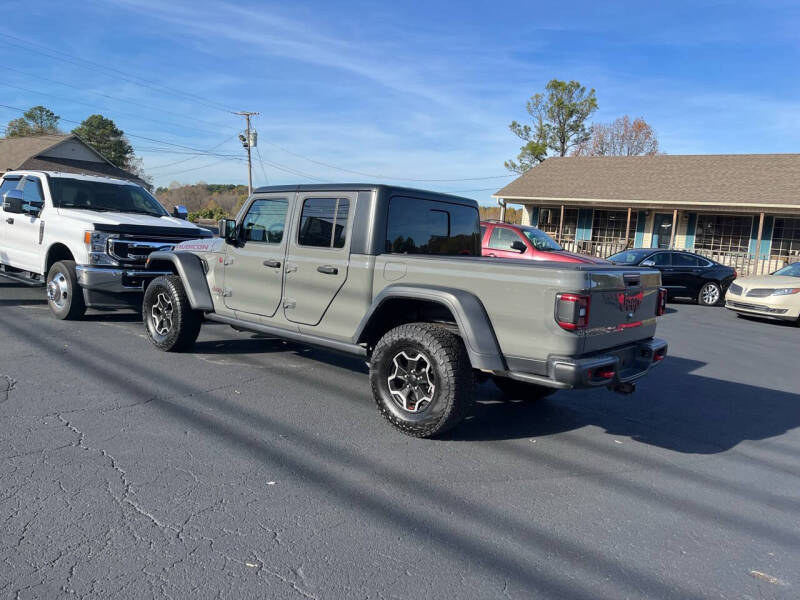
{"points": [[64, 295], [169, 321], [422, 380]]}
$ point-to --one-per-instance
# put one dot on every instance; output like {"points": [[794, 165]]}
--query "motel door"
{"points": [[662, 231]]}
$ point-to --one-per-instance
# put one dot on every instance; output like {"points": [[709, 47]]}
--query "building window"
{"points": [[723, 233], [786, 237], [609, 226], [548, 222]]}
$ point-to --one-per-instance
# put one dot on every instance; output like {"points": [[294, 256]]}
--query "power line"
{"points": [[115, 98], [132, 135], [93, 107], [60, 55], [183, 160], [198, 168], [261, 164], [373, 176]]}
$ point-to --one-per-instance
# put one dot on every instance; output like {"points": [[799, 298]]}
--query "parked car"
{"points": [[775, 296], [395, 276], [505, 240], [683, 274], [86, 238]]}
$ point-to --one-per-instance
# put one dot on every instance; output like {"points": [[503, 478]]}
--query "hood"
{"points": [[120, 218], [768, 281], [566, 256]]}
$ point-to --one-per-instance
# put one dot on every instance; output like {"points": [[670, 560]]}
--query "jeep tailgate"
{"points": [[622, 309]]}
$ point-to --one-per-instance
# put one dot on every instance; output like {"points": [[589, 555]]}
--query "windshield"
{"points": [[105, 197], [628, 257], [540, 240], [792, 270]]}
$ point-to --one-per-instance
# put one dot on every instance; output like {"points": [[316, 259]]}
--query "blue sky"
{"points": [[402, 90]]}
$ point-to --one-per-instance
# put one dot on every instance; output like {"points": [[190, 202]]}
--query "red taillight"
{"points": [[572, 311], [606, 373], [660, 355], [661, 304]]}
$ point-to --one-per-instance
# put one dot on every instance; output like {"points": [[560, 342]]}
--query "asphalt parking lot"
{"points": [[260, 469]]}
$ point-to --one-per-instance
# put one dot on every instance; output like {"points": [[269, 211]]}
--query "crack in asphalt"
{"points": [[124, 500], [7, 385]]}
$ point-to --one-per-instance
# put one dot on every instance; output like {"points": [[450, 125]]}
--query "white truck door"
{"points": [[9, 183], [22, 230]]}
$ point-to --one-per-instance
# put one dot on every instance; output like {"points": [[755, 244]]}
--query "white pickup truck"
{"points": [[86, 238]]}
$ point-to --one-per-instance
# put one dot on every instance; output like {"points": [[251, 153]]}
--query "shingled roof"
{"points": [[30, 153], [15, 151], [713, 179]]}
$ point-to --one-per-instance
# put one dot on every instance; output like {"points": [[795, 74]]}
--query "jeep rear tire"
{"points": [[64, 295], [514, 389], [169, 321], [422, 380]]}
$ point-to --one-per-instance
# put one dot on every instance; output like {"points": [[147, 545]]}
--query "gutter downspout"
{"points": [[502, 204]]}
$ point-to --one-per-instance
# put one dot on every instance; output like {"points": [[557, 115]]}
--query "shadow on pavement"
{"points": [[673, 408]]}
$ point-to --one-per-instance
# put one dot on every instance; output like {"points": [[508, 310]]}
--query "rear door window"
{"points": [[686, 260], [421, 226], [323, 222]]}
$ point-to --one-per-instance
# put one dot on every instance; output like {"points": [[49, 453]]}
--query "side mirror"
{"points": [[518, 246], [180, 212], [647, 263], [13, 201], [227, 229]]}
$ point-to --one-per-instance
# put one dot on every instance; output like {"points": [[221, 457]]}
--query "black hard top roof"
{"points": [[389, 190]]}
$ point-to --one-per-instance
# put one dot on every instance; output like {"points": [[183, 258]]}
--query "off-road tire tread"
{"points": [[77, 305], [187, 321], [447, 349]]}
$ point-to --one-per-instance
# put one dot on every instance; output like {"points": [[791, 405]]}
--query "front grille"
{"points": [[764, 309], [760, 293], [135, 250], [735, 289]]}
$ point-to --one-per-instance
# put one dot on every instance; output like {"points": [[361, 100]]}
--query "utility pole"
{"points": [[248, 140]]}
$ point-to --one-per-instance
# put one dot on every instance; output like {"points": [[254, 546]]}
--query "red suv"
{"points": [[505, 240]]}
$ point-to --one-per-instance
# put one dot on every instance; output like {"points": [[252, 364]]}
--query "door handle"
{"points": [[492, 255], [328, 270], [10, 220], [273, 264]]}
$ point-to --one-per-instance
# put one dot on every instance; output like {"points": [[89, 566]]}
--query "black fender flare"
{"points": [[470, 315], [189, 268]]}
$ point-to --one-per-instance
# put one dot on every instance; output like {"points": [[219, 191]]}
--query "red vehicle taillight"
{"points": [[661, 304], [572, 311]]}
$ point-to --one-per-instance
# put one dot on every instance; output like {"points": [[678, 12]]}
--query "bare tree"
{"points": [[621, 137]]}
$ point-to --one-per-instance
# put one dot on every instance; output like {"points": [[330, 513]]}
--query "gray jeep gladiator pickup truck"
{"points": [[395, 275]]}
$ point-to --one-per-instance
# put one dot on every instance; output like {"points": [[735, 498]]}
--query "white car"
{"points": [[775, 296], [87, 238]]}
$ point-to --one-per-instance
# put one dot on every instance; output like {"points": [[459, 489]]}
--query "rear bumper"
{"points": [[622, 364], [112, 280]]}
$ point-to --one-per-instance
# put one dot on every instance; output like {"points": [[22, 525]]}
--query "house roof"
{"points": [[714, 179], [15, 151], [25, 153]]}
